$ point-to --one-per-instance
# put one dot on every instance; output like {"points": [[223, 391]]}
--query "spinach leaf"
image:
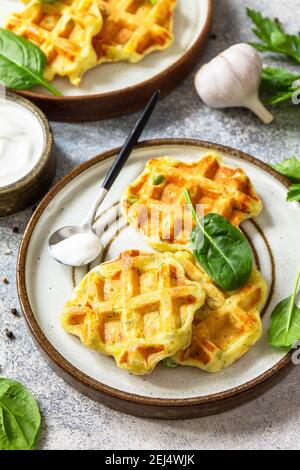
{"points": [[289, 168], [293, 193], [22, 64], [20, 418], [273, 36], [284, 328], [221, 249]]}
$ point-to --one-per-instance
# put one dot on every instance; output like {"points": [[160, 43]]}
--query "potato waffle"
{"points": [[227, 325], [155, 205], [138, 308], [133, 29], [64, 31]]}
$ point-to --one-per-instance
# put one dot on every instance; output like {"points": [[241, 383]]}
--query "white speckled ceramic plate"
{"points": [[45, 285], [115, 88]]}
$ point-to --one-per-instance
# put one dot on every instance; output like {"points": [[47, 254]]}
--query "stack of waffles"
{"points": [[143, 308]]}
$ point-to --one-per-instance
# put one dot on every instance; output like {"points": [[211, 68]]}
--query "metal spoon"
{"points": [[81, 240]]}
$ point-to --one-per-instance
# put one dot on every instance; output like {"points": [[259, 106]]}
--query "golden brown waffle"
{"points": [[64, 31], [138, 308], [155, 205], [133, 29], [227, 325]]}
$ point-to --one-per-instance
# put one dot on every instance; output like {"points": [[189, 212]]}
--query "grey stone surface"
{"points": [[72, 421]]}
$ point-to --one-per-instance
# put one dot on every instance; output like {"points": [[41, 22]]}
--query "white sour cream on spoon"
{"points": [[21, 141], [77, 250]]}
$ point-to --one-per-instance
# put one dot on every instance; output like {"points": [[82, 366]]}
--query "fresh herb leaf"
{"points": [[169, 363], [20, 418], [224, 253], [22, 64], [279, 78], [280, 97], [289, 168], [273, 36], [284, 328], [280, 83], [293, 193]]}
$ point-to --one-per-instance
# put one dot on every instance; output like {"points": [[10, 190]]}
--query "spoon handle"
{"points": [[123, 156], [130, 142]]}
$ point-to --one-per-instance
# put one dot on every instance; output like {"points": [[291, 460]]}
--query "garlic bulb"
{"points": [[232, 79]]}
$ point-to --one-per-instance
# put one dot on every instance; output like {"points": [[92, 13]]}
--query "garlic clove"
{"points": [[232, 79], [256, 106], [216, 92]]}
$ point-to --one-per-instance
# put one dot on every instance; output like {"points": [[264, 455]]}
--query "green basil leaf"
{"points": [[284, 329], [20, 418], [221, 249], [22, 64]]}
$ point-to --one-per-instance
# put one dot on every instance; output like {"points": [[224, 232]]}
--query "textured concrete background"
{"points": [[72, 421]]}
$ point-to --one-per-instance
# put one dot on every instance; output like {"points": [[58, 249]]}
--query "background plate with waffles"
{"points": [[111, 89], [183, 392]]}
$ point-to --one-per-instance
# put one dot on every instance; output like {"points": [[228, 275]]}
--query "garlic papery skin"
{"points": [[232, 79]]}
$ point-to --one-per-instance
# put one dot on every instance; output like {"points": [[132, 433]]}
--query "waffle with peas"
{"points": [[133, 29], [77, 35], [64, 31], [154, 204], [227, 325], [142, 308], [138, 308]]}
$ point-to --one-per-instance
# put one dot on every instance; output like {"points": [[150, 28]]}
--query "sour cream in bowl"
{"points": [[27, 163], [21, 141]]}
